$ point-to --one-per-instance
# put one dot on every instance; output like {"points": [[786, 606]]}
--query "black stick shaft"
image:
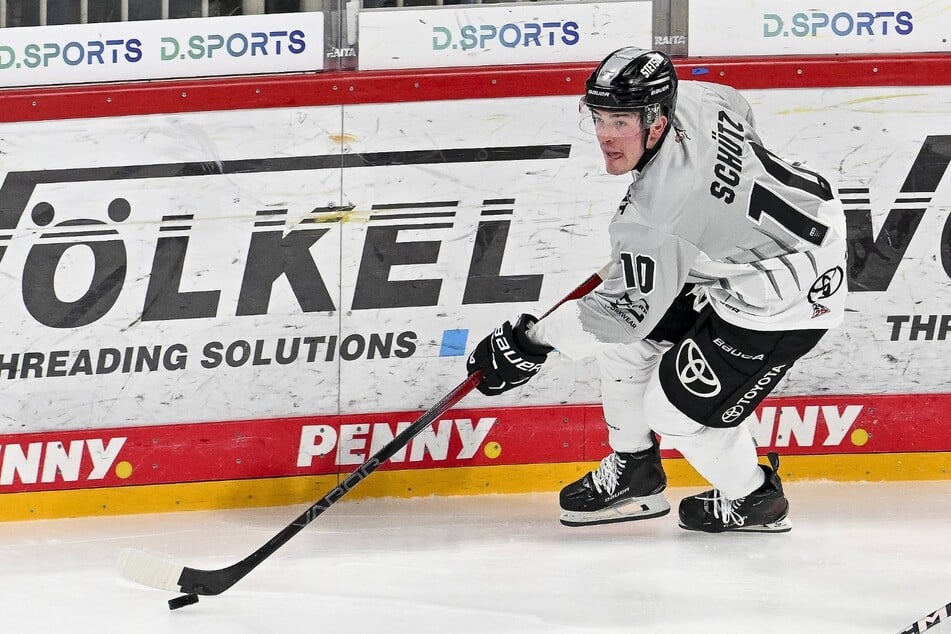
{"points": [[210, 582]]}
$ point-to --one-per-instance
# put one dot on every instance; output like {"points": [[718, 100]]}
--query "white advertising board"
{"points": [[198, 47], [781, 27], [480, 35], [220, 266], [209, 266]]}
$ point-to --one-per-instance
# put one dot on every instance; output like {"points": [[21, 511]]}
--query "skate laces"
{"points": [[606, 477], [725, 509]]}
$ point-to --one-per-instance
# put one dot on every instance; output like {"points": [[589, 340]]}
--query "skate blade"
{"points": [[643, 508], [782, 525]]}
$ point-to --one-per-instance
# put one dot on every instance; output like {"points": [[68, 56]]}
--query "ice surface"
{"points": [[861, 558]]}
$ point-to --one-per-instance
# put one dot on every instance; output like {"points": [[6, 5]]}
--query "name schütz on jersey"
{"points": [[729, 161], [211, 355]]}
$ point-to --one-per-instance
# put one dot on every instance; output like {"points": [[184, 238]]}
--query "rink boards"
{"points": [[228, 292], [469, 451]]}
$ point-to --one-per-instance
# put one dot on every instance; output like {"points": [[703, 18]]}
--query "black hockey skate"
{"points": [[765, 510], [627, 486]]}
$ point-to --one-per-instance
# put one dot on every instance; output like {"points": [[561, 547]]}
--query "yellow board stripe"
{"points": [[420, 482]]}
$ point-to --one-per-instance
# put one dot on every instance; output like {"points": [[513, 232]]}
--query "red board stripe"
{"points": [[327, 445], [299, 90]]}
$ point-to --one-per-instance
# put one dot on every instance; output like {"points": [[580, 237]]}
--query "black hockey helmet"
{"points": [[635, 79]]}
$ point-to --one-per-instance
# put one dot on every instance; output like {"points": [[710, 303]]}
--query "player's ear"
{"points": [[656, 130]]}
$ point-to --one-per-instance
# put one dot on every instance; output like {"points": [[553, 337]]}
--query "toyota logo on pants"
{"points": [[694, 372], [733, 414]]}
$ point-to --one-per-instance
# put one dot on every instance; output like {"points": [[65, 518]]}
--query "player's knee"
{"points": [[630, 363], [666, 418]]}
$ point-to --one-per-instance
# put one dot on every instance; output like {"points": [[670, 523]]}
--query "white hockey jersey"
{"points": [[763, 238]]}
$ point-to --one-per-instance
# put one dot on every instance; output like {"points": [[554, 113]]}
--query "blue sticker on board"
{"points": [[454, 343]]}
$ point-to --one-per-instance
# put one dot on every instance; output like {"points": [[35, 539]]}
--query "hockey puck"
{"points": [[182, 601]]}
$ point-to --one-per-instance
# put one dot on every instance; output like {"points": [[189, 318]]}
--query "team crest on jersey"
{"points": [[827, 284]]}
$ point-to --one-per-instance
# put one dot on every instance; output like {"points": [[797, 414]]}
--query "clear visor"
{"points": [[613, 123]]}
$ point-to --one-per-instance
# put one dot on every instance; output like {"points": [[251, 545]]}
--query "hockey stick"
{"points": [[155, 572], [928, 621]]}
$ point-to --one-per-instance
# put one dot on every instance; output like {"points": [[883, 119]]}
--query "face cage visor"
{"points": [[616, 122]]}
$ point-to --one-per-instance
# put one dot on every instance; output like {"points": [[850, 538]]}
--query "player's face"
{"points": [[621, 138]]}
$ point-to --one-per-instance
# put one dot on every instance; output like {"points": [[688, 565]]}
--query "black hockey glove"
{"points": [[507, 357]]}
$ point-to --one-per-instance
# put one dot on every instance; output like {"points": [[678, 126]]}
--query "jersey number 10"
{"points": [[794, 220], [638, 271]]}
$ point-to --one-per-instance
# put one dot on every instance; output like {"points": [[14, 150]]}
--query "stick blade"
{"points": [[149, 570]]}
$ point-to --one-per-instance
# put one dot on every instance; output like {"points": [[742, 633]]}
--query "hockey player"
{"points": [[728, 266]]}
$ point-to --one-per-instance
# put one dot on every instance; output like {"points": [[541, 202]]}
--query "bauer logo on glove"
{"points": [[507, 357]]}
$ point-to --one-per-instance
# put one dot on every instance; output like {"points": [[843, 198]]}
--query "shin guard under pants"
{"points": [[625, 371]]}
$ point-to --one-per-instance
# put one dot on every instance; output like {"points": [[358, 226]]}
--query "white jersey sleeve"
{"points": [[651, 267]]}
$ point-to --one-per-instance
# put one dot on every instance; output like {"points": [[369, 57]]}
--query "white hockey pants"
{"points": [[635, 404]]}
